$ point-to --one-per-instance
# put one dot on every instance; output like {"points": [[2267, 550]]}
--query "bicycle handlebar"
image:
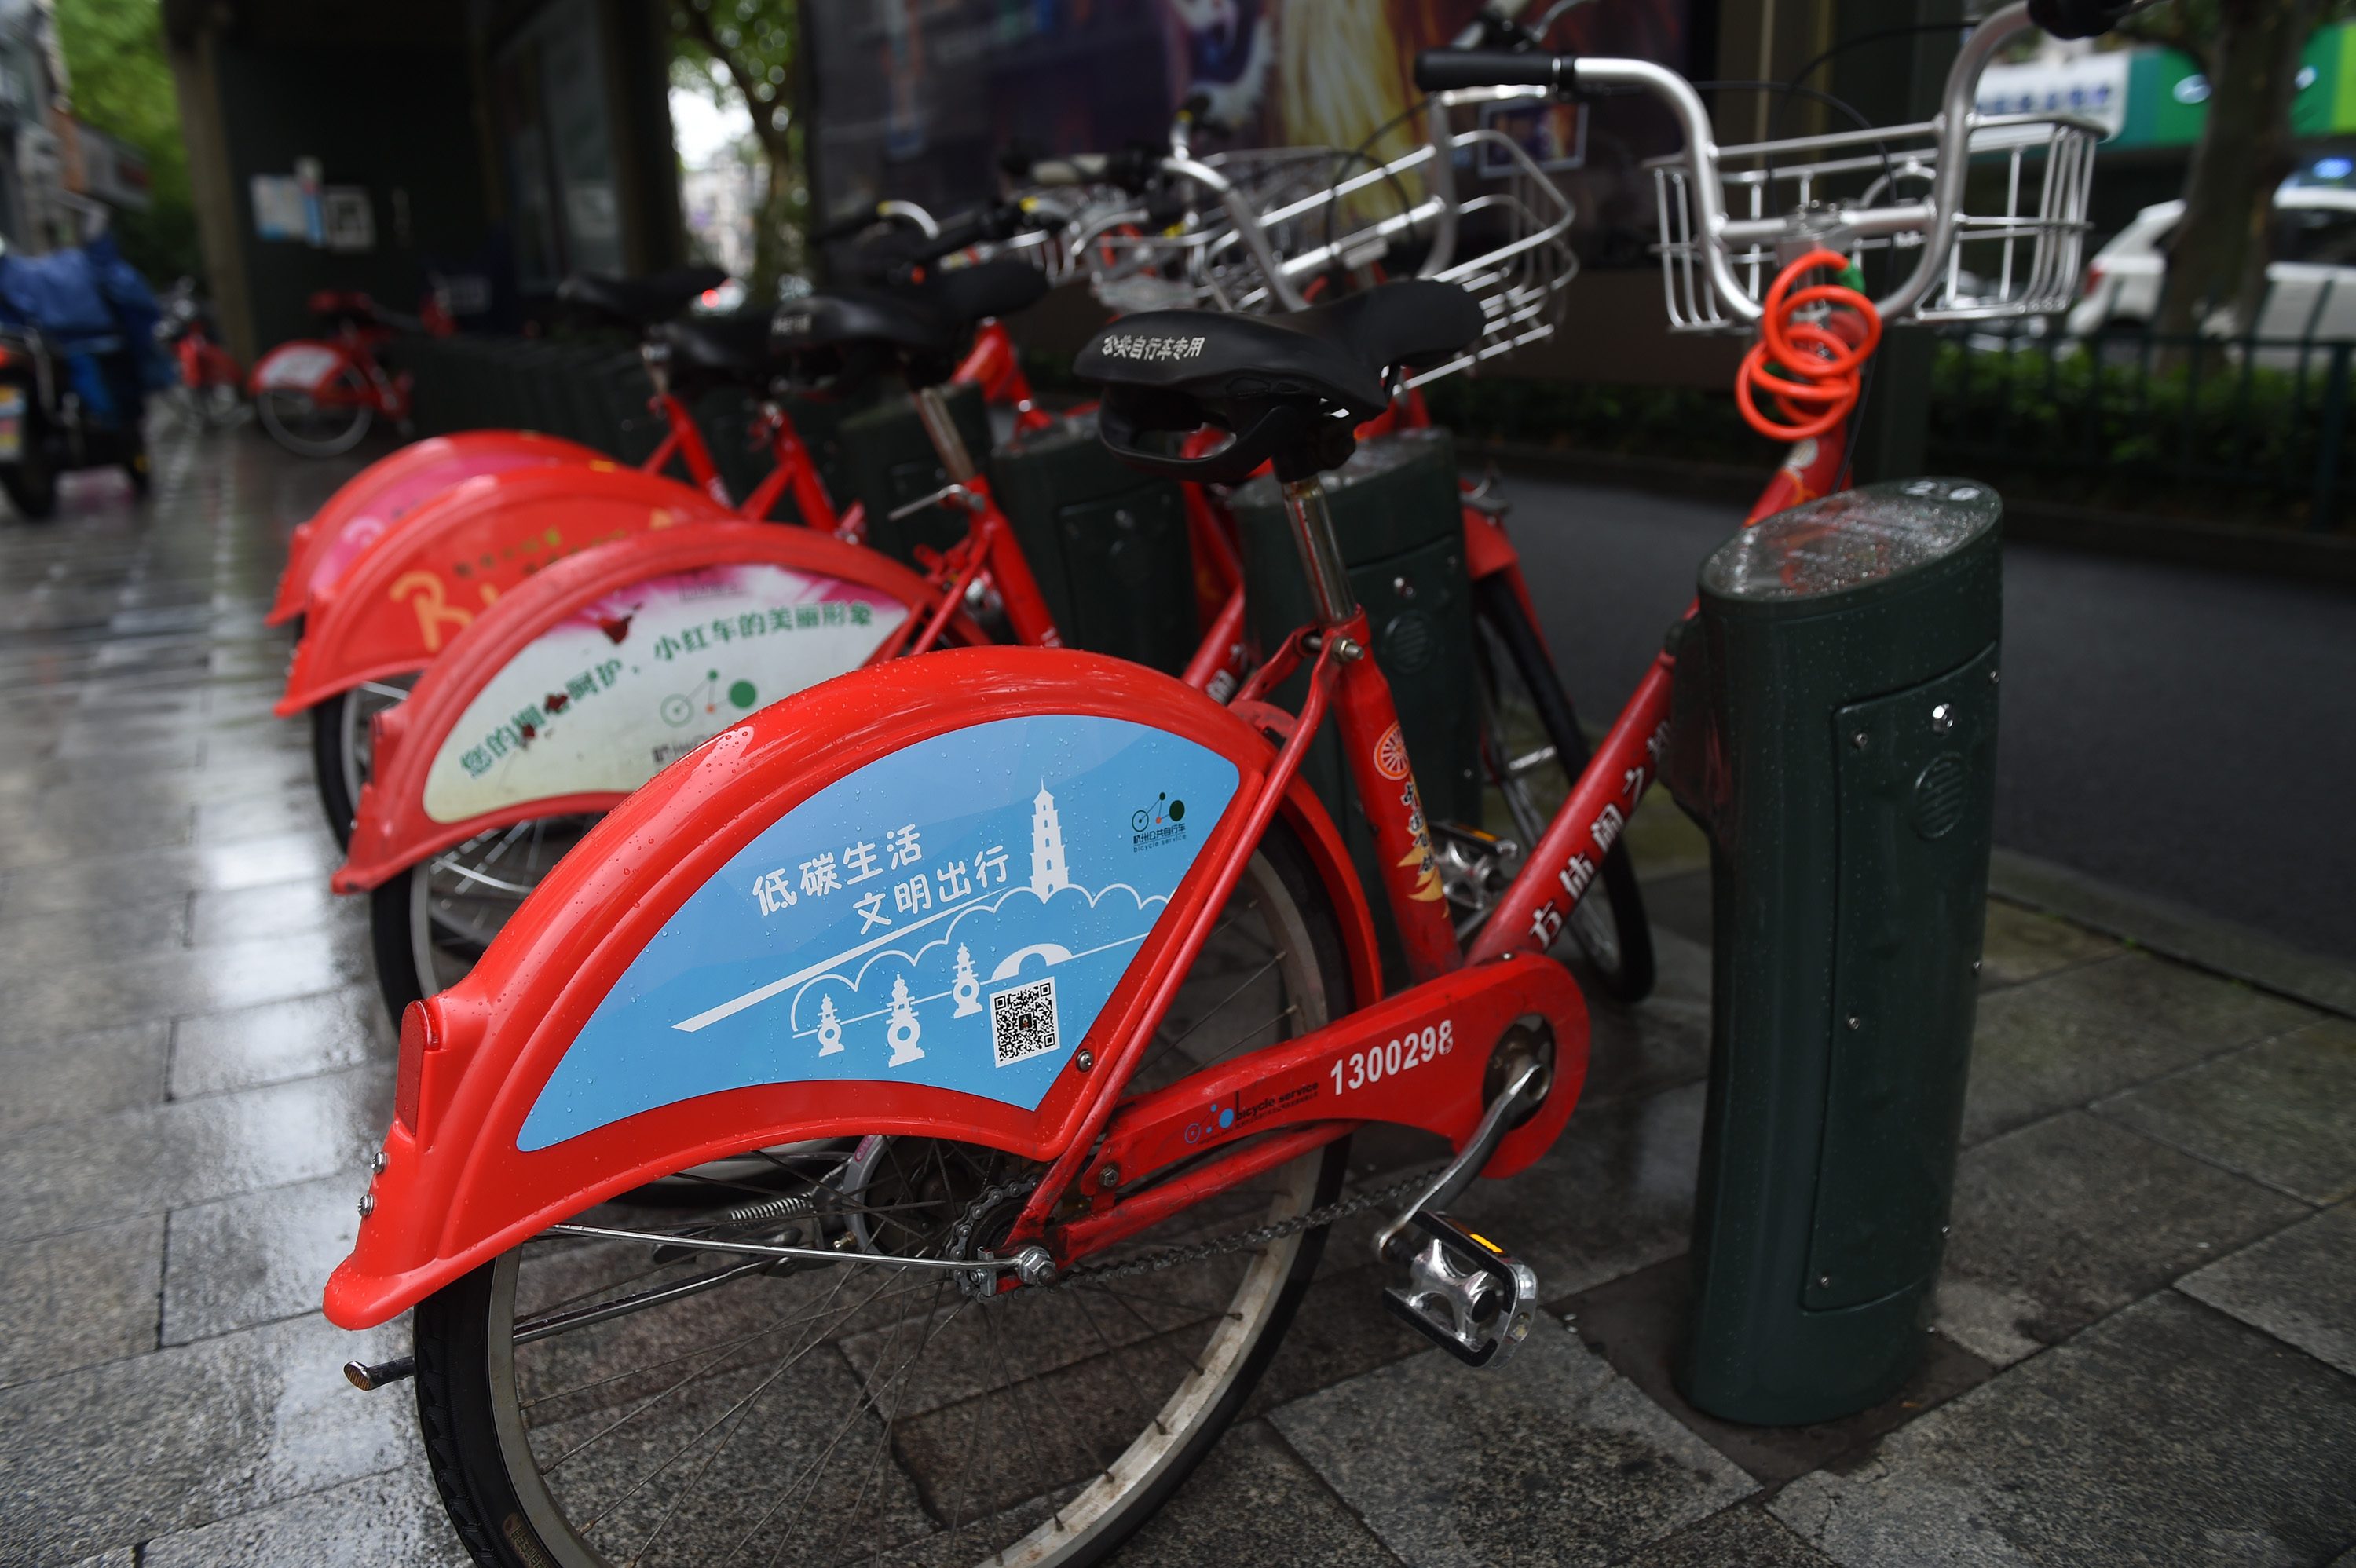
{"points": [[1450, 71]]}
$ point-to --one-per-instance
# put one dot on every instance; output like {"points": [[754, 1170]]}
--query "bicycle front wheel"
{"points": [[1533, 750], [343, 747], [739, 1411]]}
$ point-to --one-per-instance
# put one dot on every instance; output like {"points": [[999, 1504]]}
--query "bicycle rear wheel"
{"points": [[343, 748], [429, 924], [1533, 750], [308, 427], [738, 1411]]}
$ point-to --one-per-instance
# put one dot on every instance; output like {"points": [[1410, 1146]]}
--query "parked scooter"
{"points": [[77, 360]]}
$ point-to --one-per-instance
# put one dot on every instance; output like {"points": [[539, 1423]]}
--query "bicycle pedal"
{"points": [[1465, 1293]]}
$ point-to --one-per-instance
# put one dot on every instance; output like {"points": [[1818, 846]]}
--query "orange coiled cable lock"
{"points": [[1811, 369]]}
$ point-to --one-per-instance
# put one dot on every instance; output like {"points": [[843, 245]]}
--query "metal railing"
{"points": [[2265, 416]]}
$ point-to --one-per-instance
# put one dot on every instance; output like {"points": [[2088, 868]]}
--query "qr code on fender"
{"points": [[1023, 1022]]}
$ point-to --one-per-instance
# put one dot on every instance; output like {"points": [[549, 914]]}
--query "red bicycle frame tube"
{"points": [[994, 364]]}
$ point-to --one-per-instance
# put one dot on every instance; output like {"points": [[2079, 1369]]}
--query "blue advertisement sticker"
{"points": [[955, 914]]}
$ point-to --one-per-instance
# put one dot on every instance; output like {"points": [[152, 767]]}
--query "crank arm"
{"points": [[1530, 1083], [947, 495]]}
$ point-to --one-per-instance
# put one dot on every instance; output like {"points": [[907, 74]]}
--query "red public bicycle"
{"points": [[1032, 1001], [317, 396]]}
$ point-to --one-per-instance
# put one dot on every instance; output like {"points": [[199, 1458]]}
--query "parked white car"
{"points": [[2311, 287]]}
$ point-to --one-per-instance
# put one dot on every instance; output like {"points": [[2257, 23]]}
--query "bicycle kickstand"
{"points": [[1463, 1292]]}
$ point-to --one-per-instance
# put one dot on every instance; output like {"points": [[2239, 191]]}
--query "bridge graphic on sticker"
{"points": [[955, 914]]}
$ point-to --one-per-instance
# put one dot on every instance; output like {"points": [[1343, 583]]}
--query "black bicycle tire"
{"points": [[390, 944], [452, 1337], [327, 765], [1498, 606]]}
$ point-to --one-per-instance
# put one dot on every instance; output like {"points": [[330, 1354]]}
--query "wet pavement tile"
{"points": [[134, 1449], [215, 1052], [1342, 1329], [2282, 1113], [1744, 1536], [257, 1257], [182, 980], [43, 944], [1253, 1500], [2020, 945], [2167, 1433], [2062, 1222], [1613, 1195], [1557, 1459], [2093, 1030], [2298, 1284], [281, 812], [390, 1520], [80, 1076], [281, 908], [1638, 1324], [99, 881], [80, 1300], [75, 1175], [1681, 903], [1661, 1042]]}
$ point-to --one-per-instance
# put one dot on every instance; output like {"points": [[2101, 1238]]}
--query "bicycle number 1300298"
{"points": [[1377, 1062]]}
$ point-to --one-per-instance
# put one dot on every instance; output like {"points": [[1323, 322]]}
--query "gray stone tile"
{"points": [[2096, 1029], [1612, 1196], [391, 1521], [257, 1257], [2060, 1223], [1745, 1536], [183, 981], [98, 883], [2282, 1112], [1661, 1042], [1638, 1324], [2299, 1285], [290, 810], [79, 1076], [1557, 1460], [77, 1300], [167, 1442], [1342, 1330], [122, 1557], [214, 1052], [279, 910], [2021, 945], [2167, 1434], [41, 944], [79, 1174], [1252, 1501]]}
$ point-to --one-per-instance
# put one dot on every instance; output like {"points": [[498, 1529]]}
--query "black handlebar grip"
{"points": [[1443, 70], [2079, 18]]}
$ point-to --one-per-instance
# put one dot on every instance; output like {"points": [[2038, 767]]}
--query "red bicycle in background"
{"points": [[317, 396], [212, 383]]}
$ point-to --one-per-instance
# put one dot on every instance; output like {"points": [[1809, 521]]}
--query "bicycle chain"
{"points": [[1155, 1263]]}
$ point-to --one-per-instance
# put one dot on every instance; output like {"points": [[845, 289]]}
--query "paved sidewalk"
{"points": [[2146, 1344]]}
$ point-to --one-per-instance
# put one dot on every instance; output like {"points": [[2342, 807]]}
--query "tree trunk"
{"points": [[2219, 255]]}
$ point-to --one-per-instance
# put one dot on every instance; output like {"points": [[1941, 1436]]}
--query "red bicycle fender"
{"points": [[575, 598], [457, 1185], [393, 486], [413, 589]]}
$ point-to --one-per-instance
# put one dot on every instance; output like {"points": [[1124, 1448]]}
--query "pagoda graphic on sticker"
{"points": [[892, 927]]}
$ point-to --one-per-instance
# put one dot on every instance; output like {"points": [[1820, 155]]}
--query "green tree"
{"points": [[121, 85], [743, 52], [2249, 51]]}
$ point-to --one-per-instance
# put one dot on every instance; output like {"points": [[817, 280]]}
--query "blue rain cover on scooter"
{"points": [[59, 293]]}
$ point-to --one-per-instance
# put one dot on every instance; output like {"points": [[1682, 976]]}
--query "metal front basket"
{"points": [[2012, 248], [1508, 246]]}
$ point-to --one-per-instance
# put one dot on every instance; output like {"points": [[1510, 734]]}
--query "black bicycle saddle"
{"points": [[1290, 386], [640, 302], [849, 330], [711, 349]]}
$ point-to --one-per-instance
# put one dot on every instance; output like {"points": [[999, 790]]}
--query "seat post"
{"points": [[1321, 552], [948, 442]]}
